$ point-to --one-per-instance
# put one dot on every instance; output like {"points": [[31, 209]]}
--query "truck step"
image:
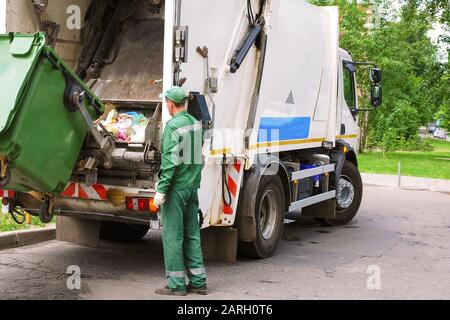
{"points": [[308, 173], [302, 174], [312, 200]]}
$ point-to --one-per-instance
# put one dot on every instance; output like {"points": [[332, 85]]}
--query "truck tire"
{"points": [[124, 232], [269, 218], [348, 198]]}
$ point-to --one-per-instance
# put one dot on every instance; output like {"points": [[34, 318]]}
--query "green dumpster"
{"points": [[41, 129]]}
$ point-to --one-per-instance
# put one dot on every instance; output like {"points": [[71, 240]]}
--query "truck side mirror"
{"points": [[376, 95], [376, 75]]}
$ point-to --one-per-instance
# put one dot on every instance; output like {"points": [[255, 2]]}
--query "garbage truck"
{"points": [[82, 117]]}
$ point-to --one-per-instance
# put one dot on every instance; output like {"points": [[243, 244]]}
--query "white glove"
{"points": [[159, 199]]}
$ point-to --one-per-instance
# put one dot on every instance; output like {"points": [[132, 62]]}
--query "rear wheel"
{"points": [[269, 218], [116, 231], [348, 196]]}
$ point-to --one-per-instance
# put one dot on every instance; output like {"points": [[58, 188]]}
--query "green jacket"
{"points": [[181, 163]]}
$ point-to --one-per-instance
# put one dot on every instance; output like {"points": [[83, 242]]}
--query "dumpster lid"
{"points": [[18, 54]]}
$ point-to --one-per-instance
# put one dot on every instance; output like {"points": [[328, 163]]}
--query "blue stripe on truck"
{"points": [[283, 128]]}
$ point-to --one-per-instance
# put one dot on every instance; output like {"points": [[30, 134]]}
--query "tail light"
{"points": [[141, 204]]}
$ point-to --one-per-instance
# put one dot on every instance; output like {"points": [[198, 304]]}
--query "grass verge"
{"points": [[428, 164], [7, 223]]}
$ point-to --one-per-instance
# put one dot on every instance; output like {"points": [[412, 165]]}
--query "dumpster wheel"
{"points": [[46, 212]]}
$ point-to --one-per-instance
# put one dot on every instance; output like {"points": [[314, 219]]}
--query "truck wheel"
{"points": [[269, 218], [125, 232], [348, 197]]}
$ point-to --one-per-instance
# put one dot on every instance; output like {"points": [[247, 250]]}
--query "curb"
{"points": [[14, 239], [407, 182]]}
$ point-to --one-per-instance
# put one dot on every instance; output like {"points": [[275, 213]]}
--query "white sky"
{"points": [[433, 34], [2, 16]]}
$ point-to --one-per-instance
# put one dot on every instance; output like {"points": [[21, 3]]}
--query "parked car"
{"points": [[440, 134]]}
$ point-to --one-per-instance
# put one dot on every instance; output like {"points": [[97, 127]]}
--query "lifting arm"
{"points": [[242, 52]]}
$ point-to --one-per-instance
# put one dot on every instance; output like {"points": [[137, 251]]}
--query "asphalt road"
{"points": [[399, 245]]}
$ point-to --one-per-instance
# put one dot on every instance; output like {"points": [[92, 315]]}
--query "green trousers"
{"points": [[181, 240]]}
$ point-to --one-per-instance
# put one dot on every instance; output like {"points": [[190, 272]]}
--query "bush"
{"points": [[413, 144], [398, 130], [443, 115], [7, 223], [403, 122]]}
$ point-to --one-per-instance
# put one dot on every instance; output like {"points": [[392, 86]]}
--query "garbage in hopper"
{"points": [[125, 127]]}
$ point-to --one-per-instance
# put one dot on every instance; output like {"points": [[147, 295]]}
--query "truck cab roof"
{"points": [[345, 55]]}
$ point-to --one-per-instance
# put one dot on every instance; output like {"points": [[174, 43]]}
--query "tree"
{"points": [[415, 80]]}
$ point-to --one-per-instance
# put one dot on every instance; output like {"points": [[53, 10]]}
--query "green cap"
{"points": [[175, 94]]}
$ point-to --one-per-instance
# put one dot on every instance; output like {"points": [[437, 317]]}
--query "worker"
{"points": [[177, 196]]}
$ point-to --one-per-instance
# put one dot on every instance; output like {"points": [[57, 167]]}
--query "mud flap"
{"points": [[219, 244], [325, 209], [80, 231]]}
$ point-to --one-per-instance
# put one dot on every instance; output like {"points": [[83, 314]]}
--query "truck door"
{"points": [[348, 128]]}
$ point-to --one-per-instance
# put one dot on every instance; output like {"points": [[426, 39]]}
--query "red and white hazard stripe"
{"points": [[234, 180], [7, 194], [80, 191]]}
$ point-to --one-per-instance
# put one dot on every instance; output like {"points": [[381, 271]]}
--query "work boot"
{"points": [[166, 291], [197, 290]]}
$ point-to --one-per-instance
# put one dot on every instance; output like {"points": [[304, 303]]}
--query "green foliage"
{"points": [[8, 224], [398, 130], [402, 121], [414, 143], [443, 116], [415, 80]]}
